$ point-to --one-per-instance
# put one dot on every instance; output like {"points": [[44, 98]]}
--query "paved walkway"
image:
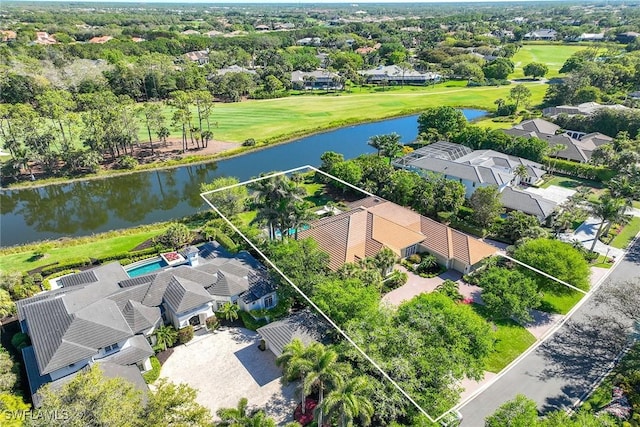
{"points": [[632, 211], [417, 285], [586, 233]]}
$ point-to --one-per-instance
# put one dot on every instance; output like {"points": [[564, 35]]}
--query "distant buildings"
{"points": [[579, 146], [309, 41], [100, 39], [583, 109], [44, 38], [393, 74], [8, 35], [318, 79], [365, 50], [542, 34], [199, 56], [234, 69]]}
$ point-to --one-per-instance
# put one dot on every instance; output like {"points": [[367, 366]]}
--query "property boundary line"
{"points": [[461, 404]]}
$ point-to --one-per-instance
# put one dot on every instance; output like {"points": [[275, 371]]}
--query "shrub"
{"points": [[20, 340], [185, 334], [226, 242], [127, 162], [250, 322], [154, 373], [212, 323], [415, 258], [250, 142], [581, 170]]}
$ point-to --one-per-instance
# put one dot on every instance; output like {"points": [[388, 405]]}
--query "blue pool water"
{"points": [[147, 268]]}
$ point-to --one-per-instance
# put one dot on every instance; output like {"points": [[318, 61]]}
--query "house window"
{"points": [[268, 301], [110, 348]]}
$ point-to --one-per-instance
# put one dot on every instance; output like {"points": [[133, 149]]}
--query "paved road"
{"points": [[560, 370]]}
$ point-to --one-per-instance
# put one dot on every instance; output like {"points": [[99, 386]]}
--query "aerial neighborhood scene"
{"points": [[321, 214]]}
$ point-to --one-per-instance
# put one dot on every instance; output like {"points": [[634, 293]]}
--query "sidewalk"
{"points": [[586, 233]]}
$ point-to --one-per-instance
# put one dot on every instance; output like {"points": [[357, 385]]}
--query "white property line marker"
{"points": [[325, 316]]}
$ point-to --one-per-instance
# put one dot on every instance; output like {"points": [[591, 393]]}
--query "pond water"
{"points": [[93, 206]]}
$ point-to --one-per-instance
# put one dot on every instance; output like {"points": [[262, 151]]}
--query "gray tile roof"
{"points": [[183, 295], [228, 285], [526, 202], [304, 325], [140, 317], [146, 278], [137, 351], [78, 279], [259, 286]]}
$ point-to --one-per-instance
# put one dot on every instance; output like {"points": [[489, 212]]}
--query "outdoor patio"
{"points": [[227, 365], [417, 285]]}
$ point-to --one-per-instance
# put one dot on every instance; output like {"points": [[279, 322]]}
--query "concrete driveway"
{"points": [[552, 192], [227, 365], [417, 285]]}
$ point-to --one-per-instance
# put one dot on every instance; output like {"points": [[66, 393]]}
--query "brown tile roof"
{"points": [[372, 223]]}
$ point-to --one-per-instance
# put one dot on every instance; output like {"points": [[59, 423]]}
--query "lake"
{"points": [[97, 205]]}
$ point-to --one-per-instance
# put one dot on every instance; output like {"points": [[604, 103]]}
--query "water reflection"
{"points": [[92, 206]]}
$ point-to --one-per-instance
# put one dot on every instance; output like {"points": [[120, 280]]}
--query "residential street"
{"points": [[563, 368]]}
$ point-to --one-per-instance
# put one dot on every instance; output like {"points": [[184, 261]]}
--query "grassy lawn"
{"points": [[285, 118], [512, 339], [571, 183], [490, 124], [636, 204], [559, 303], [601, 262], [94, 247], [552, 55], [627, 234]]}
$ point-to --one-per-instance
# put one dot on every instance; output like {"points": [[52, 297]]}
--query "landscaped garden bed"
{"points": [[172, 258]]}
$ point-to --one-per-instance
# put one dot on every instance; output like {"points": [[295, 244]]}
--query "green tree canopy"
{"points": [[535, 69], [508, 293], [445, 120], [486, 205], [230, 201], [343, 300], [520, 412], [556, 258]]}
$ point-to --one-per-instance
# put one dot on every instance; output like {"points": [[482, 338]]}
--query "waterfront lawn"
{"points": [[61, 252], [273, 120], [553, 55], [627, 234], [491, 124], [559, 303], [511, 340]]}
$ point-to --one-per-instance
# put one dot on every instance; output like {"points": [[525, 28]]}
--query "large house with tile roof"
{"points": [[578, 146], [104, 316], [372, 223]]}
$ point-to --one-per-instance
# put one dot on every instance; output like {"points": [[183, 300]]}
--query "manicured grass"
{"points": [[552, 55], [571, 183], [601, 262], [511, 340], [280, 119], [636, 204], [559, 303], [490, 124], [627, 234], [247, 216], [96, 247]]}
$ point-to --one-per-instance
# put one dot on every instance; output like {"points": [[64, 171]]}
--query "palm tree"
{"points": [[609, 210], [552, 153], [229, 311], [166, 336], [385, 260], [389, 144], [349, 401], [259, 419], [293, 367], [233, 417], [163, 134], [323, 371], [521, 172]]}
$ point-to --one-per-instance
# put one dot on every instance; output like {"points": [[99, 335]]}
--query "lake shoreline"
{"points": [[210, 158]]}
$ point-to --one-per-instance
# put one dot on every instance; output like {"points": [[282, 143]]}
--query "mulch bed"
{"points": [[164, 355]]}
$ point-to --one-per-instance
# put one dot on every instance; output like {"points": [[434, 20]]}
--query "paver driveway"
{"points": [[227, 365]]}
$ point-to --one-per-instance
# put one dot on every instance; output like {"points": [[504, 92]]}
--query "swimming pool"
{"points": [[147, 266]]}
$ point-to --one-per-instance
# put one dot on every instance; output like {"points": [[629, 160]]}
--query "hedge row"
{"points": [[154, 373], [74, 263], [581, 170]]}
